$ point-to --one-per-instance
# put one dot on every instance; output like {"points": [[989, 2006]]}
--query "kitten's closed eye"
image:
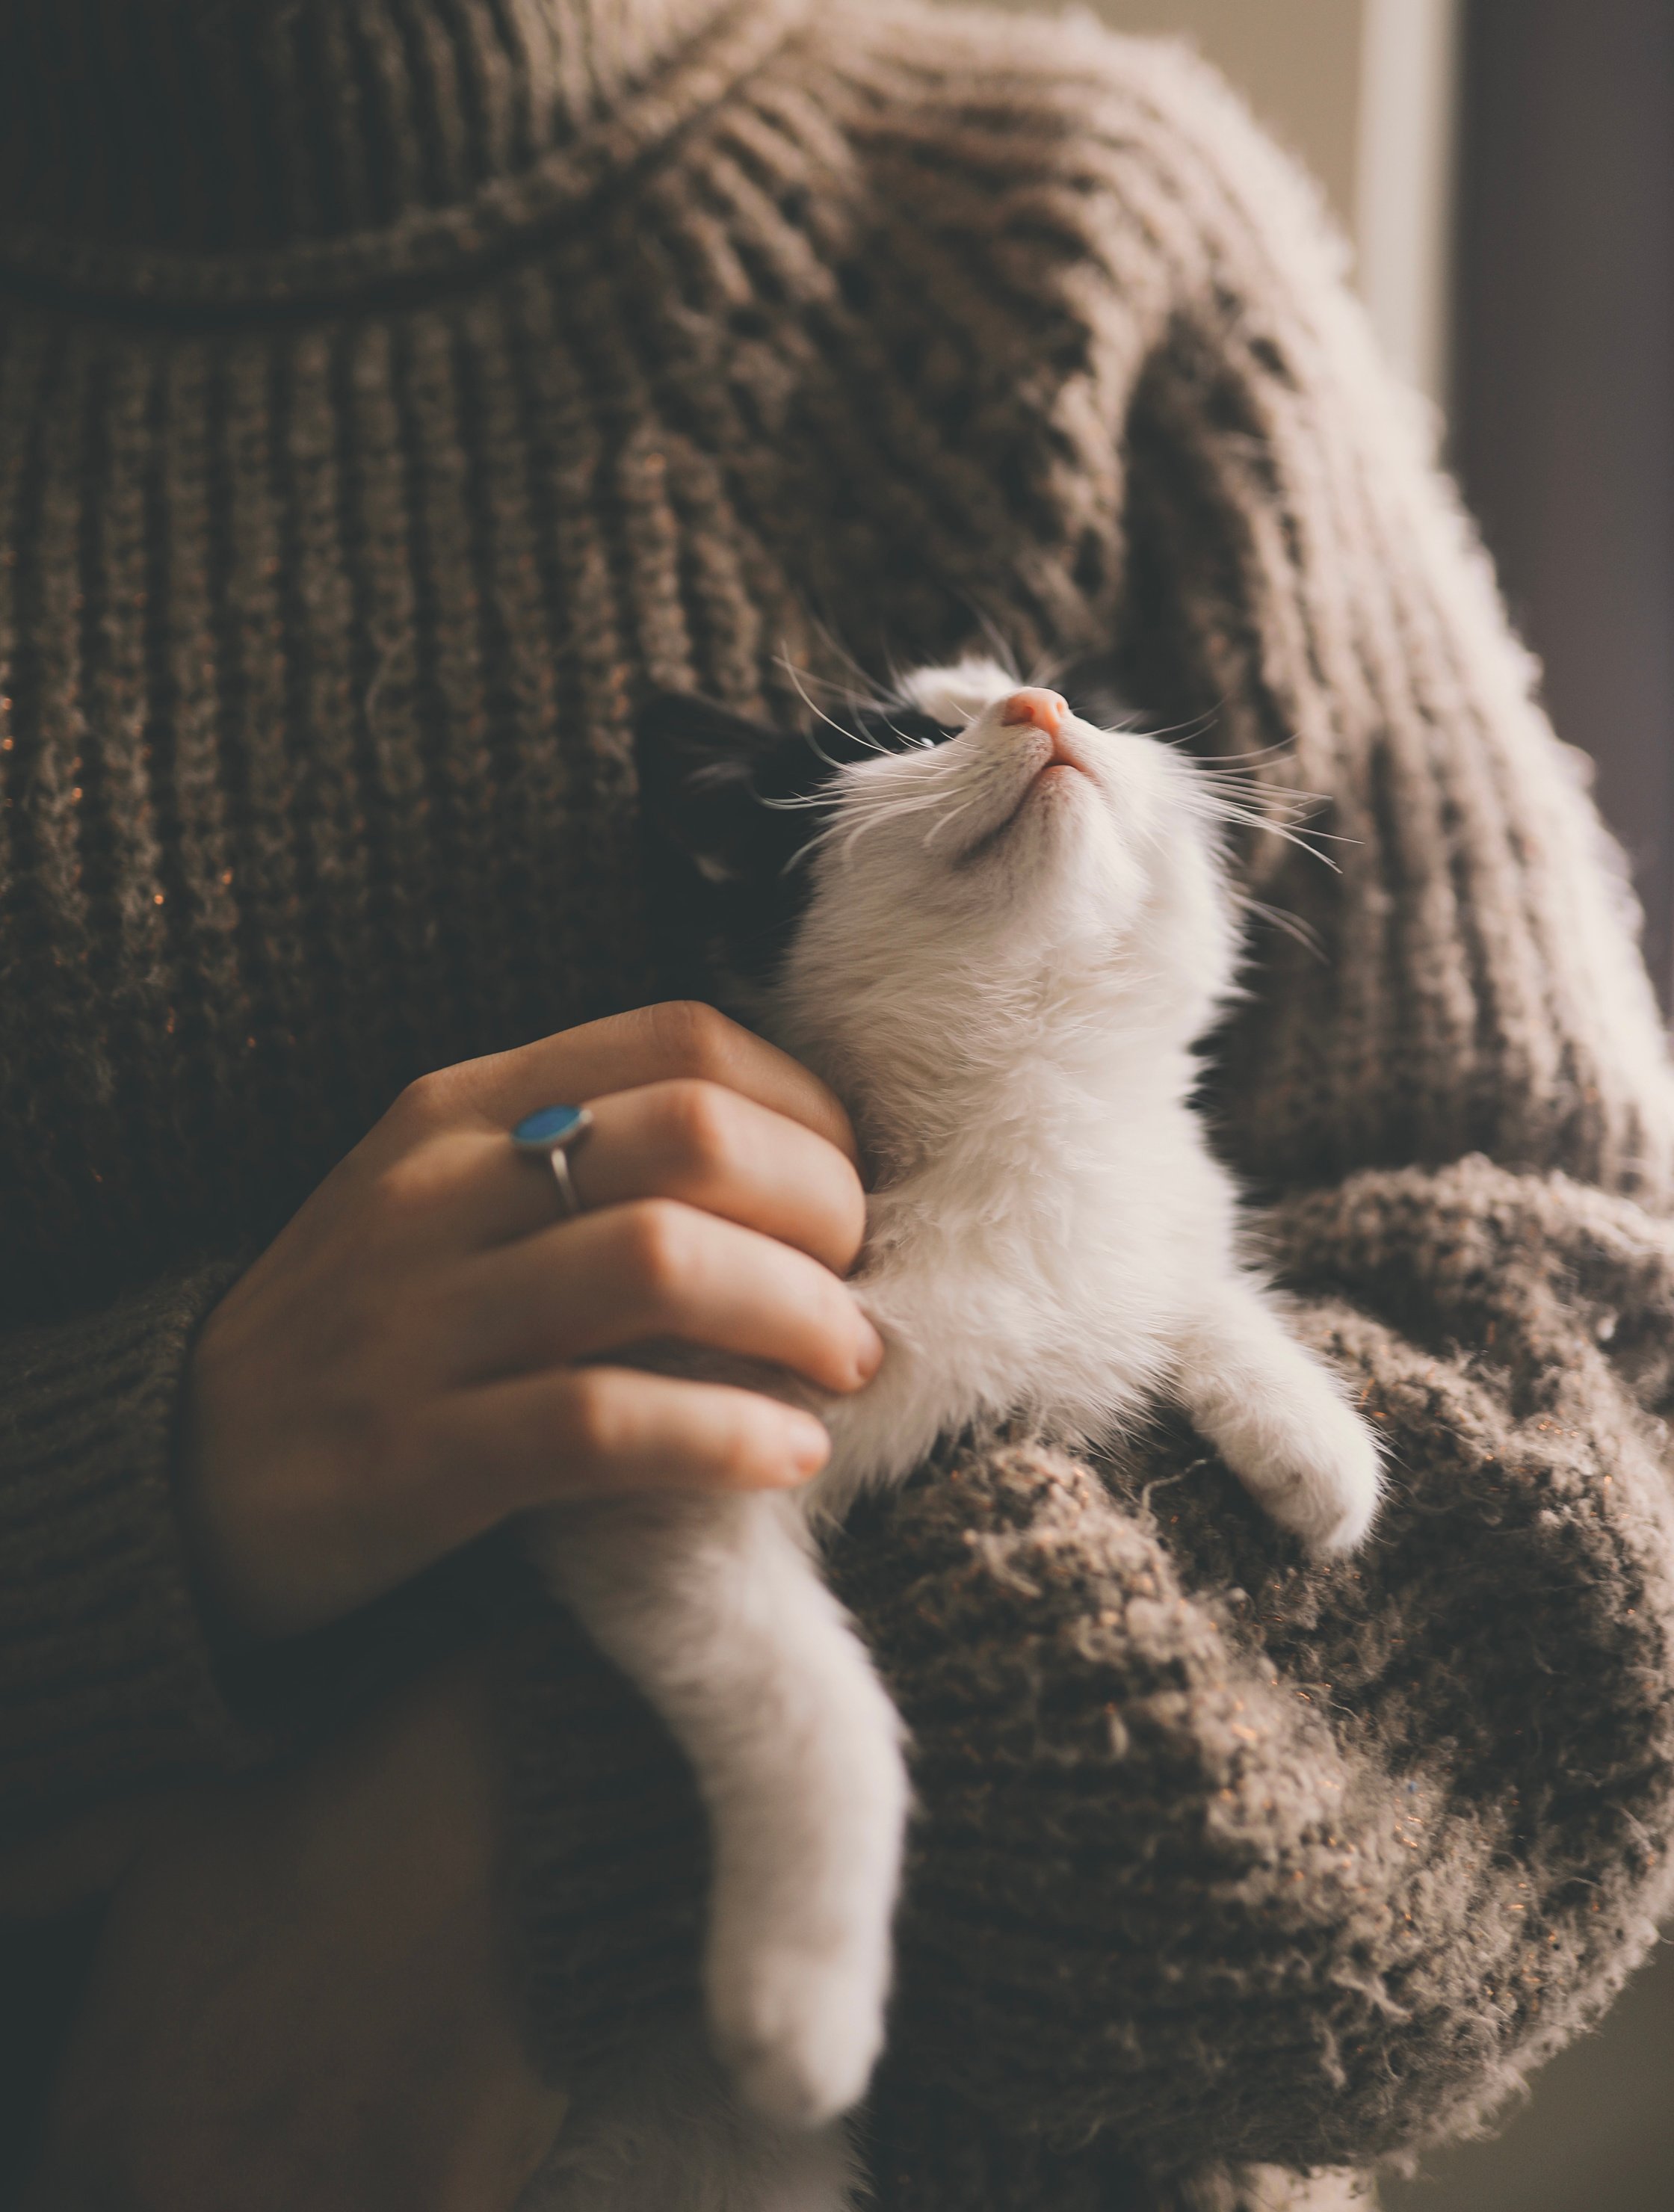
{"points": [[888, 730]]}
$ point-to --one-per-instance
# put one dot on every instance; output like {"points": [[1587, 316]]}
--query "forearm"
{"points": [[300, 1992], [1228, 1856], [108, 1678]]}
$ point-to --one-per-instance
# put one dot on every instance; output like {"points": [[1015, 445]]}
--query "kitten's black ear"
{"points": [[697, 769]]}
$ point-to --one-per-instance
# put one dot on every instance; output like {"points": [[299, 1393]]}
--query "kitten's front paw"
{"points": [[1278, 1417], [1312, 1462], [800, 2032]]}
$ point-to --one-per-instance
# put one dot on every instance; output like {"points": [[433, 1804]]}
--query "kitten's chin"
{"points": [[1050, 805]]}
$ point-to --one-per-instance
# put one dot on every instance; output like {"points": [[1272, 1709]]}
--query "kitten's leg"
{"points": [[715, 1609], [1280, 1419], [661, 2131]]}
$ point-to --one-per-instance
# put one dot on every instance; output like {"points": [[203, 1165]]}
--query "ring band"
{"points": [[548, 1133]]}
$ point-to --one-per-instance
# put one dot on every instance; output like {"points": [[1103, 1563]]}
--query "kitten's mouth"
{"points": [[1060, 762]]}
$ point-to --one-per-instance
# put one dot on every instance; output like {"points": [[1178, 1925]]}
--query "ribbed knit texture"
{"points": [[233, 124], [105, 1675], [392, 392]]}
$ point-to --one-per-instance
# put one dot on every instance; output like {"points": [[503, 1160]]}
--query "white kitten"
{"points": [[1000, 935]]}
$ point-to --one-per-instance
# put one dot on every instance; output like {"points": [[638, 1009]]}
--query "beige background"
{"points": [[1298, 61], [1363, 92]]}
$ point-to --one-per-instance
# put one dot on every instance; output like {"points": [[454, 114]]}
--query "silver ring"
{"points": [[549, 1133], [568, 1201]]}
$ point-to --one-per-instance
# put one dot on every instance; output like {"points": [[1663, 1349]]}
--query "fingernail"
{"points": [[870, 1356], [809, 1446]]}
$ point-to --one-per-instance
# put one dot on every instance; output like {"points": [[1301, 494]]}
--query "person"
{"points": [[394, 393]]}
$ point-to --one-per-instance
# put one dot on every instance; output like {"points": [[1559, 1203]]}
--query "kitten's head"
{"points": [[968, 851]]}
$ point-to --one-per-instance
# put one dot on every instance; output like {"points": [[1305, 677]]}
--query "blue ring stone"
{"points": [[549, 1129]]}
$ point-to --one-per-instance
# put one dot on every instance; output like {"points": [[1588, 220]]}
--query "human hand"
{"points": [[424, 1351], [301, 1998]]}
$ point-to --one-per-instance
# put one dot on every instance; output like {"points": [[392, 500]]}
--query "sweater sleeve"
{"points": [[1223, 1860], [1299, 575], [1225, 1857], [108, 1680]]}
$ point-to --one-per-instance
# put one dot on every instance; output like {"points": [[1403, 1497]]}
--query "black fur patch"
{"points": [[730, 807]]}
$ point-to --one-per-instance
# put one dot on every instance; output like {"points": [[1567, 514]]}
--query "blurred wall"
{"points": [[1563, 402], [1364, 93], [1297, 63]]}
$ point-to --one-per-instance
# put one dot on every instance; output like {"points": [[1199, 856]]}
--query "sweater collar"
{"points": [[141, 140]]}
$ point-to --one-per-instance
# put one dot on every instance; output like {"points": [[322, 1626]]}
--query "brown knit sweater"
{"points": [[390, 392]]}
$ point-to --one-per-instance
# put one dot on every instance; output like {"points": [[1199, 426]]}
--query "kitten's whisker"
{"points": [[795, 803], [818, 749], [795, 676], [871, 745], [916, 745], [871, 811], [1260, 800], [1177, 734], [890, 806], [803, 851], [946, 821], [841, 654], [824, 837], [1271, 795], [1256, 806], [999, 645], [1290, 837], [1278, 747], [1230, 778], [1287, 924]]}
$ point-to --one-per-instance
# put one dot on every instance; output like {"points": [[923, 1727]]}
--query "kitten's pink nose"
{"points": [[1045, 709]]}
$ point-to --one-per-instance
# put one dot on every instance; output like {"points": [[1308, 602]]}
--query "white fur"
{"points": [[1003, 970]]}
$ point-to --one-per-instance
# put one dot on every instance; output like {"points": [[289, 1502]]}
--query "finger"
{"points": [[707, 1146], [654, 1044], [656, 1268], [599, 1431]]}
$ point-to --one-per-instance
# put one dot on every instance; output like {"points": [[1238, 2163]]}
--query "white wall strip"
{"points": [[1402, 217]]}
